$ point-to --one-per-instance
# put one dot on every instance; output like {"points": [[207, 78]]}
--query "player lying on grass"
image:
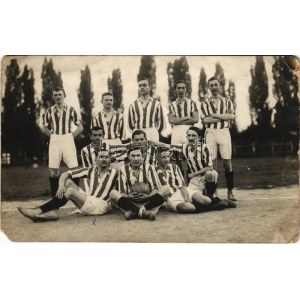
{"points": [[184, 200], [102, 179], [139, 195]]}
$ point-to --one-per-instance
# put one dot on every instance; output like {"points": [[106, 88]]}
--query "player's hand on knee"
{"points": [[190, 175], [60, 192]]}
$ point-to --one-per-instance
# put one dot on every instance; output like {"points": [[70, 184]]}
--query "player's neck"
{"points": [[216, 97], [60, 105], [181, 98], [108, 110], [162, 167], [135, 167], [103, 170], [145, 98]]}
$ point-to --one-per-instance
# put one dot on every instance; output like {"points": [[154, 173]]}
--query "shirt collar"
{"points": [[178, 101], [130, 168], [64, 107], [139, 99], [104, 113], [98, 171]]}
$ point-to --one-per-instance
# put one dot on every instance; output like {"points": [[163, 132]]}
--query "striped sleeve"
{"points": [[94, 122], [230, 107], [122, 128], [193, 106], [204, 110], [160, 116], [131, 118], [85, 158], [79, 173], [46, 119], [179, 177], [122, 182], [152, 179], [171, 110], [207, 156], [76, 117]]}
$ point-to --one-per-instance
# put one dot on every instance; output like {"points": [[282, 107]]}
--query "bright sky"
{"points": [[235, 68]]}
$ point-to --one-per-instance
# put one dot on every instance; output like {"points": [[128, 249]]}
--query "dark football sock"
{"points": [[53, 185], [207, 207], [54, 203], [155, 201], [210, 188], [229, 180], [126, 204]]}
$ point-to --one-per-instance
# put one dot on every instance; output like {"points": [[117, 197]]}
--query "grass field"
{"points": [[21, 183]]}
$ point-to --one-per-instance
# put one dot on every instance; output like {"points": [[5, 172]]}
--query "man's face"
{"points": [[214, 87], [107, 101], [180, 90], [58, 97], [144, 88], [139, 140], [103, 160], [136, 158], [192, 137], [96, 136], [164, 158]]}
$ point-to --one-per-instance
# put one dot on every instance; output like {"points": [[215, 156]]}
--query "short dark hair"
{"points": [[138, 132], [196, 129], [131, 149], [144, 78], [179, 81], [58, 89], [95, 128], [211, 79], [106, 94], [161, 150]]}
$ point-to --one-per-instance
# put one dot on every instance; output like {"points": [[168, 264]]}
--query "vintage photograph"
{"points": [[160, 149]]}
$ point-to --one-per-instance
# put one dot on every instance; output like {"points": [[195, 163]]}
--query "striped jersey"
{"points": [[150, 155], [198, 156], [91, 151], [209, 107], [112, 128], [127, 178], [183, 108], [61, 124], [98, 187], [150, 116], [171, 177]]}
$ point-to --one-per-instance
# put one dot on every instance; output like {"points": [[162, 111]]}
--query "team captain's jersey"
{"points": [[151, 116], [183, 108], [198, 156], [127, 178], [113, 128], [61, 124], [208, 107], [98, 187], [172, 177]]}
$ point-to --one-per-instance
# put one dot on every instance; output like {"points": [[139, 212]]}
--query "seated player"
{"points": [[203, 179], [138, 195], [102, 180], [170, 175]]}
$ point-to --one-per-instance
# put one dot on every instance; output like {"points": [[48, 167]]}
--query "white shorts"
{"points": [[219, 139], [174, 200], [152, 134], [196, 185], [179, 134], [62, 147], [95, 206]]}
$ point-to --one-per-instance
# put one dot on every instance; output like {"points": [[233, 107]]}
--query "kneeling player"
{"points": [[170, 175], [102, 179], [139, 195]]}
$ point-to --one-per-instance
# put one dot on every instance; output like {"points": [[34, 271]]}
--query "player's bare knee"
{"points": [[185, 208], [165, 191], [115, 195], [69, 192], [211, 176], [201, 199], [227, 165]]}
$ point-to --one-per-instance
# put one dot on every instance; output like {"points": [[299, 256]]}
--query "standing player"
{"points": [[146, 113], [57, 126], [112, 124], [170, 175], [217, 111], [138, 193], [102, 180], [183, 113]]}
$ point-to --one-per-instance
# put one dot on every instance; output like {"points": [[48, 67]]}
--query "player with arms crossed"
{"points": [[216, 112], [57, 126], [102, 180]]}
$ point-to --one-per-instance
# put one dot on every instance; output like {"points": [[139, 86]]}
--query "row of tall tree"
{"points": [[22, 108]]}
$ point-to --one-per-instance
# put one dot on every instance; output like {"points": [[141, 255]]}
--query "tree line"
{"points": [[21, 111]]}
